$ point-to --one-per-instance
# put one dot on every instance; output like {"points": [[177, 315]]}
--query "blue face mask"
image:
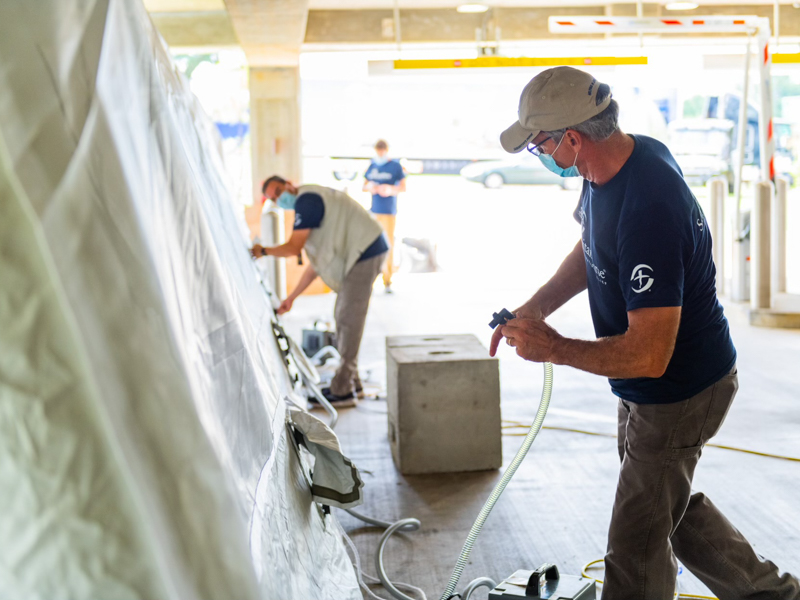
{"points": [[286, 200], [380, 160], [550, 164]]}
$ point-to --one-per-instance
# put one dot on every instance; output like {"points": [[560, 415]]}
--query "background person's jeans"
{"points": [[656, 518], [350, 314]]}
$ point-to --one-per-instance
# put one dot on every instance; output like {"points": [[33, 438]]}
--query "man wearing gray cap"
{"points": [[662, 339]]}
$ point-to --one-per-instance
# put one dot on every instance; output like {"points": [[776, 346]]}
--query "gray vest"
{"points": [[347, 229]]}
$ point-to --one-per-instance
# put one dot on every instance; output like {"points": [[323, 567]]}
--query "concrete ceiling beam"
{"points": [[270, 32], [515, 23], [213, 28]]}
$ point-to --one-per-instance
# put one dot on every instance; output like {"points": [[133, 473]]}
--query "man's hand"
{"points": [[533, 339], [385, 190], [285, 306], [257, 250], [529, 311], [526, 311]]}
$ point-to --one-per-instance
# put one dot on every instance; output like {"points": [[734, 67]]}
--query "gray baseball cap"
{"points": [[556, 98]]}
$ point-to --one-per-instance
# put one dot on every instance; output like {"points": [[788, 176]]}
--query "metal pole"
{"points": [[718, 190], [779, 236], [740, 142], [766, 136], [760, 270], [740, 290]]}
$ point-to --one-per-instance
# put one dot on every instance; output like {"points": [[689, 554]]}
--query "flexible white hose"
{"points": [[475, 584], [547, 389], [323, 401], [361, 576], [398, 526], [412, 525]]}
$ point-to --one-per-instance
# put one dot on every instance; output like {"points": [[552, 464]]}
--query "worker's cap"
{"points": [[554, 99]]}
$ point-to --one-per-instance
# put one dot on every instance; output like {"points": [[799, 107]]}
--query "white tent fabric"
{"points": [[143, 447]]}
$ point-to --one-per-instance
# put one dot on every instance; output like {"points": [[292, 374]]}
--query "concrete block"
{"points": [[464, 339], [444, 404]]}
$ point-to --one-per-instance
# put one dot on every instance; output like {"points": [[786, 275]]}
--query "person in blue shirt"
{"points": [[384, 179], [662, 339]]}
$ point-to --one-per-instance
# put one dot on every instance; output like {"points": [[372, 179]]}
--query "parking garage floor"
{"points": [[557, 507]]}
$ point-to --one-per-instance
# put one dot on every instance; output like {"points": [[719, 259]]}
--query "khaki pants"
{"points": [[388, 222], [657, 518], [350, 314]]}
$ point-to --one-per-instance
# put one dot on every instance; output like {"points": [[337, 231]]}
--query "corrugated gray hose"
{"points": [[547, 390]]}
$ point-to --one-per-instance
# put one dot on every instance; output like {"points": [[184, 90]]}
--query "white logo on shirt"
{"points": [[643, 280], [601, 273], [375, 175]]}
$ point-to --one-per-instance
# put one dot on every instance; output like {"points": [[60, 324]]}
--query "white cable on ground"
{"points": [[498, 490], [323, 354], [401, 524], [361, 575], [323, 401], [383, 524], [477, 583]]}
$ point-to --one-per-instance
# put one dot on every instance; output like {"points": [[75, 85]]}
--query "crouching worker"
{"points": [[346, 247]]}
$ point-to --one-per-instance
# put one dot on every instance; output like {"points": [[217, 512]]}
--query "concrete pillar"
{"points": [[275, 143], [272, 234], [760, 246], [718, 191], [779, 236], [275, 124]]}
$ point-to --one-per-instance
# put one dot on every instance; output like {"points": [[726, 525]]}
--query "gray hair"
{"points": [[599, 127]]}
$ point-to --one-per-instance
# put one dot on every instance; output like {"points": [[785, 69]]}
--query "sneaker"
{"points": [[388, 289], [345, 401]]}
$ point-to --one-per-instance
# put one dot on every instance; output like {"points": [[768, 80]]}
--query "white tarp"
{"points": [[143, 447]]}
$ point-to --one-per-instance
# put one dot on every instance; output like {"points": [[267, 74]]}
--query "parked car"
{"points": [[703, 149], [520, 169]]}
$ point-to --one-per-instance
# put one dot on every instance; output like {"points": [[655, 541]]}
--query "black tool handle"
{"points": [[548, 571], [500, 318]]}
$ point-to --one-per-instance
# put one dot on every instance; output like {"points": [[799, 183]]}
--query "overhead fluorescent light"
{"points": [[472, 8], [681, 5]]}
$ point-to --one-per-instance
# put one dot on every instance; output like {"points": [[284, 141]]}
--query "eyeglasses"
{"points": [[535, 149]]}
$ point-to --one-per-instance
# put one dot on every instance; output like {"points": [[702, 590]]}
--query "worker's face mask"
{"points": [[550, 163], [380, 160], [286, 200]]}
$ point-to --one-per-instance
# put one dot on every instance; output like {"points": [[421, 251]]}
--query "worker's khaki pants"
{"points": [[656, 518], [388, 222], [350, 314]]}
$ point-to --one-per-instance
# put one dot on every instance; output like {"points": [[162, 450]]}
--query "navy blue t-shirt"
{"points": [[390, 173], [646, 243], [309, 209]]}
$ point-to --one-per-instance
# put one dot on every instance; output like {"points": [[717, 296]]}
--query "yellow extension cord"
{"points": [[587, 566], [518, 424]]}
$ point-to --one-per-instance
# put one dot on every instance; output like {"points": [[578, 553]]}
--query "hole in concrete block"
{"points": [[432, 339], [441, 352]]}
